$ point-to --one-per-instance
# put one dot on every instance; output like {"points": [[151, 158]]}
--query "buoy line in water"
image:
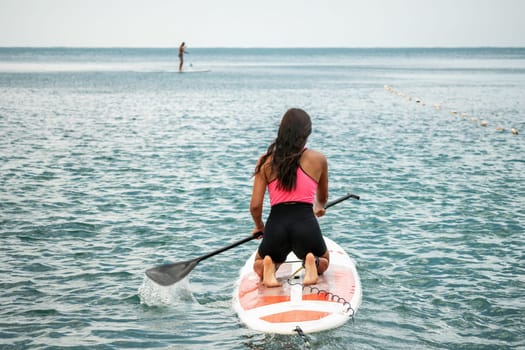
{"points": [[438, 107]]}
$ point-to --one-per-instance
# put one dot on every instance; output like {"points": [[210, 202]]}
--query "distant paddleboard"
{"points": [[192, 70]]}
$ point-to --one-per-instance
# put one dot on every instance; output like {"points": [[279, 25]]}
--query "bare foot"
{"points": [[310, 275], [269, 279]]}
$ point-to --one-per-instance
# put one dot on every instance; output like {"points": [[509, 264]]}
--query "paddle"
{"points": [[168, 274]]}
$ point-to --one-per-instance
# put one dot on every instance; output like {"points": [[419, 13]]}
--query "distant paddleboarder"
{"points": [[182, 51]]}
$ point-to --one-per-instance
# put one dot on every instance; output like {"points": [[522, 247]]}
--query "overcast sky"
{"points": [[262, 23]]}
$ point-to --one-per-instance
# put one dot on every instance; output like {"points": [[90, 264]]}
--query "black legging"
{"points": [[291, 227]]}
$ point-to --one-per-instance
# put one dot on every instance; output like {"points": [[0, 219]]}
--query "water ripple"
{"points": [[106, 174]]}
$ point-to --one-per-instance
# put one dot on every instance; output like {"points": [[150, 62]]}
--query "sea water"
{"points": [[112, 162]]}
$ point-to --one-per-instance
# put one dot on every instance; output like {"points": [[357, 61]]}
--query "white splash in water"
{"points": [[152, 294]]}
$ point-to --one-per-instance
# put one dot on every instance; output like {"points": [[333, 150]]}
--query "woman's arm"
{"points": [[256, 203], [321, 196]]}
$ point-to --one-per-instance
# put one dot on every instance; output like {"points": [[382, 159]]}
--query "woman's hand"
{"points": [[319, 211], [258, 232]]}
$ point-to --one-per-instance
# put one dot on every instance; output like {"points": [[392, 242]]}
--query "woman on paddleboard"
{"points": [[297, 182]]}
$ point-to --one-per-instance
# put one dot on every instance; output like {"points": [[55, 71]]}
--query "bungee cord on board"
{"points": [[438, 107], [328, 295]]}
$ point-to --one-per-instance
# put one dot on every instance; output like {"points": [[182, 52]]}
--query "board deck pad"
{"points": [[325, 305]]}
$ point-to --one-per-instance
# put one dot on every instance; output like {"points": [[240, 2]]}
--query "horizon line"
{"points": [[259, 47]]}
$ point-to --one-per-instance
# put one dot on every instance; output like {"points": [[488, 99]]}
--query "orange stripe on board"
{"points": [[295, 316], [252, 301], [316, 296]]}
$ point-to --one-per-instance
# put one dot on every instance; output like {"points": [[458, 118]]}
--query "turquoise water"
{"points": [[111, 163]]}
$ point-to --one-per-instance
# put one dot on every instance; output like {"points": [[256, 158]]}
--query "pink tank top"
{"points": [[304, 190]]}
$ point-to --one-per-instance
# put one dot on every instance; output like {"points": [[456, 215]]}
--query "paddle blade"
{"points": [[168, 274]]}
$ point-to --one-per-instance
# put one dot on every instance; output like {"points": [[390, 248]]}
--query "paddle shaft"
{"points": [[233, 245], [340, 199]]}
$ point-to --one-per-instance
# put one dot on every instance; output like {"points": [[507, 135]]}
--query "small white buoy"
{"points": [[514, 131], [484, 123]]}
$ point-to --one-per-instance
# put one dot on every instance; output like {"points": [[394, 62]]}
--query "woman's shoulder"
{"points": [[263, 167], [314, 155], [314, 164], [263, 163]]}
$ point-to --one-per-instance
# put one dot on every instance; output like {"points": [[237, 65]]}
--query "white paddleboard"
{"points": [[191, 70], [326, 305]]}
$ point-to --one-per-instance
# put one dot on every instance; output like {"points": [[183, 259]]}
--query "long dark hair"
{"points": [[288, 147]]}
